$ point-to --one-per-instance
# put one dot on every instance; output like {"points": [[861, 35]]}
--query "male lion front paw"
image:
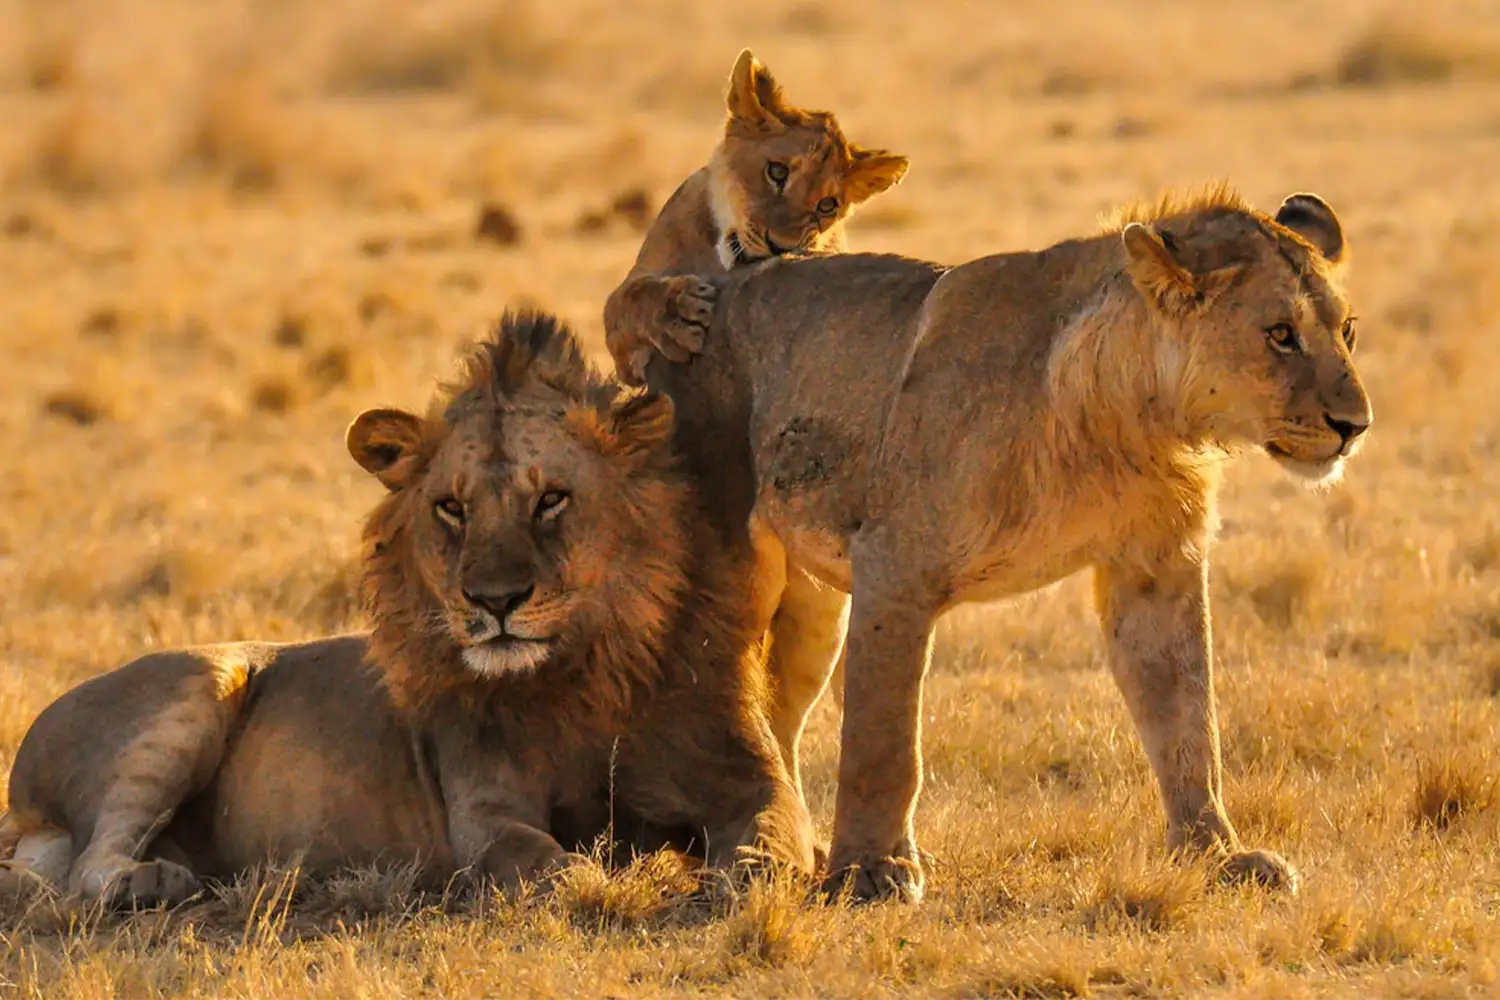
{"points": [[869, 878], [1265, 868], [143, 885]]}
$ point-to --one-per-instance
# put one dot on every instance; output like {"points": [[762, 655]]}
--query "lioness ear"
{"points": [[637, 422], [754, 98], [385, 443], [1164, 282], [872, 171], [1311, 218]]}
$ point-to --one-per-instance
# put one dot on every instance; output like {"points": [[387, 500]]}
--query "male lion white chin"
{"points": [[505, 655]]}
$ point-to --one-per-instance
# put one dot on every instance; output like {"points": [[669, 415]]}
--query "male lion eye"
{"points": [[550, 504], [777, 173], [450, 510], [1282, 337], [828, 206], [1348, 332]]}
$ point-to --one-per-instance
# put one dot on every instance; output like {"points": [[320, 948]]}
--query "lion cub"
{"points": [[782, 180], [556, 653]]}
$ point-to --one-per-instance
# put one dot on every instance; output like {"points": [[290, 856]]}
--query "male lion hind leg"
{"points": [[1159, 643], [874, 853], [654, 313], [807, 640], [114, 758]]}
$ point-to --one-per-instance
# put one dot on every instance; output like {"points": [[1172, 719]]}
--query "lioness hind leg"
{"points": [[1160, 652], [807, 641], [39, 863]]}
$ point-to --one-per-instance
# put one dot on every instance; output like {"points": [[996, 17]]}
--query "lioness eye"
{"points": [[550, 504], [777, 173], [1282, 337], [1348, 332], [450, 510], [828, 206]]}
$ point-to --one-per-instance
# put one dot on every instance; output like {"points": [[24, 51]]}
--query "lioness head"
{"points": [[783, 179], [533, 511], [1266, 335]]}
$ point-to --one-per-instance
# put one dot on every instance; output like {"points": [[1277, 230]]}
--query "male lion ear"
{"points": [[1164, 282], [1311, 218], [385, 444], [754, 98], [872, 171], [638, 422]]}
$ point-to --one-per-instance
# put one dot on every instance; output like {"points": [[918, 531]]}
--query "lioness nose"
{"points": [[1348, 429], [499, 603]]}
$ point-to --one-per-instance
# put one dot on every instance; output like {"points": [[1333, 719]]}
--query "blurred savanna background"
{"points": [[226, 227]]}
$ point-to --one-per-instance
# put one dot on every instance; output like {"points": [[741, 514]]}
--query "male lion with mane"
{"points": [[781, 180], [923, 436], [556, 652]]}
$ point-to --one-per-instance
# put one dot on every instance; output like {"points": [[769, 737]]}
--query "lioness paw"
{"points": [[1265, 868], [868, 879]]}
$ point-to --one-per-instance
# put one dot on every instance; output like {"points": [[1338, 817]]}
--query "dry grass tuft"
{"points": [[80, 406], [650, 891], [275, 393], [1455, 786], [237, 132], [1394, 52], [770, 926], [1153, 896], [498, 225]]}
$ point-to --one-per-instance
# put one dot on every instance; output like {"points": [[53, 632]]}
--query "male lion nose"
{"points": [[1348, 429], [500, 603]]}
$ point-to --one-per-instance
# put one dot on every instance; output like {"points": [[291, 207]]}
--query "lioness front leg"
{"points": [[1159, 645], [653, 313], [880, 768]]}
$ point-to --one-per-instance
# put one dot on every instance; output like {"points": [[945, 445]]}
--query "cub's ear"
{"points": [[754, 98], [1311, 218], [386, 443], [872, 171], [627, 422]]}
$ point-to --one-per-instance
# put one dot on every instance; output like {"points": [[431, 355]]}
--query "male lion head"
{"points": [[783, 179], [532, 513], [1264, 336]]}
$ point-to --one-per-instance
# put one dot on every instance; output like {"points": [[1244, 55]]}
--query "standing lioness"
{"points": [[922, 436]]}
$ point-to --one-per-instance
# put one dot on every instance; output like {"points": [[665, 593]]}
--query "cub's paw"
{"points": [[690, 309], [143, 885], [868, 877], [1265, 868]]}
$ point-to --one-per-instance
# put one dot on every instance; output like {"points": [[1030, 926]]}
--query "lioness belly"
{"points": [[320, 771]]}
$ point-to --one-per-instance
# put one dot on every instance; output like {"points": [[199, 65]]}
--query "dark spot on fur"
{"points": [[806, 453]]}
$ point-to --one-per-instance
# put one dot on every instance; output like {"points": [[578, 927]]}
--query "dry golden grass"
{"points": [[227, 227]]}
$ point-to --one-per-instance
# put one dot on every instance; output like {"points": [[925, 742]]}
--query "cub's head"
{"points": [[534, 513], [1261, 336], [784, 179]]}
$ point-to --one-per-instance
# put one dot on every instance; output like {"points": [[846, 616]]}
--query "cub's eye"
{"points": [[1349, 335], [450, 511], [1283, 338], [550, 504], [777, 173], [828, 206]]}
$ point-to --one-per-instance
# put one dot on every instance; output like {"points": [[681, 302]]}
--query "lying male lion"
{"points": [[555, 649], [782, 179], [924, 436]]}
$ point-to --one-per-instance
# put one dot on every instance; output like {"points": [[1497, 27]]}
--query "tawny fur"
{"points": [[732, 210], [925, 436], [644, 716]]}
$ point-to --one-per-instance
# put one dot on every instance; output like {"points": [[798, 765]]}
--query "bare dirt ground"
{"points": [[225, 228]]}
